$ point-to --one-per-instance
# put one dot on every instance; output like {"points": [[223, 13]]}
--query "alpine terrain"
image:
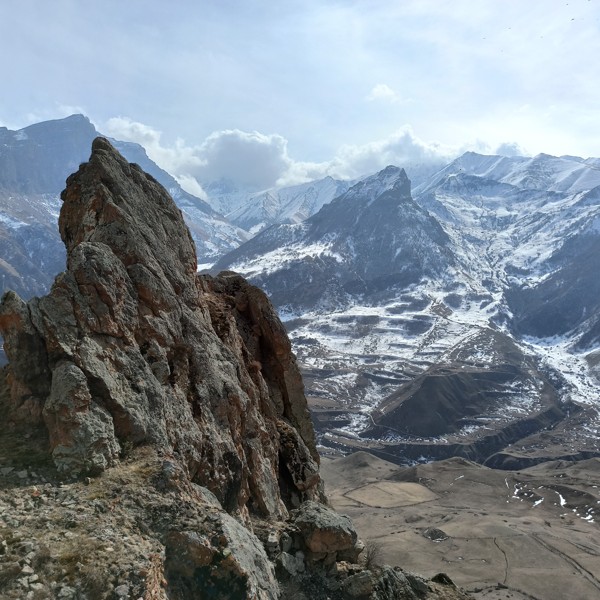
{"points": [[462, 319], [155, 438], [156, 441]]}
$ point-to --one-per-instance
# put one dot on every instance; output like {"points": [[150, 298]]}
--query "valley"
{"points": [[529, 534], [484, 348]]}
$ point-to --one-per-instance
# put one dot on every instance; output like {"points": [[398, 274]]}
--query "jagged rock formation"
{"points": [[131, 347], [132, 350]]}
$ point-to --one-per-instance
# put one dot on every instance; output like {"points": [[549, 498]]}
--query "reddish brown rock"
{"points": [[132, 347]]}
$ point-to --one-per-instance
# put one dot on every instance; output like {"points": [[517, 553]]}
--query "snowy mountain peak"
{"points": [[541, 173], [370, 188], [254, 212], [371, 240]]}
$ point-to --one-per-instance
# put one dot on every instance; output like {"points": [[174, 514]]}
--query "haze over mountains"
{"points": [[459, 317]]}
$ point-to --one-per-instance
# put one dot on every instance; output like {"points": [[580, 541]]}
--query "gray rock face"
{"points": [[219, 559], [82, 431], [131, 347]]}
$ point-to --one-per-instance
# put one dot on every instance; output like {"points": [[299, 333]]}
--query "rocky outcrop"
{"points": [[323, 530], [132, 347], [187, 385], [219, 559]]}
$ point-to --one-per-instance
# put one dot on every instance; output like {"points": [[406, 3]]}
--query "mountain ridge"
{"points": [[518, 267]]}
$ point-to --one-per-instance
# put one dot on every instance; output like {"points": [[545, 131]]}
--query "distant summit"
{"points": [[37, 158]]}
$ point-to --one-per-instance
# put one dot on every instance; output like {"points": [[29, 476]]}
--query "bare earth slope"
{"points": [[531, 534]]}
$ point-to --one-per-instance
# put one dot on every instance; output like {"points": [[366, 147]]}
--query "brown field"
{"points": [[531, 534]]}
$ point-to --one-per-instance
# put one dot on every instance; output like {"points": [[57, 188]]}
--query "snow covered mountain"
{"points": [[255, 211], [463, 322], [542, 172], [286, 205], [34, 164], [368, 240], [540, 246]]}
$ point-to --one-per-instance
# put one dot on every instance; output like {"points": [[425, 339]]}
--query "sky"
{"points": [[277, 92]]}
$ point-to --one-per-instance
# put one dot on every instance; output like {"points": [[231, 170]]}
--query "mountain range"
{"points": [[460, 317]]}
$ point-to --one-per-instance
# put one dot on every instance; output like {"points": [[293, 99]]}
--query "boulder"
{"points": [[323, 530], [82, 433], [219, 559]]}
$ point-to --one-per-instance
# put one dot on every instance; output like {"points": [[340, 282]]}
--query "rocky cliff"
{"points": [[133, 359], [131, 347]]}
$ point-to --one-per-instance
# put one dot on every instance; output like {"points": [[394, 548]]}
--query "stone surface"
{"points": [[219, 560], [324, 531], [360, 585], [81, 430], [291, 564], [393, 584], [132, 347]]}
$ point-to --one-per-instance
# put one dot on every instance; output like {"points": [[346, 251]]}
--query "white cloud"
{"points": [[190, 184], [179, 159], [257, 161], [384, 93], [252, 159], [510, 149], [400, 148]]}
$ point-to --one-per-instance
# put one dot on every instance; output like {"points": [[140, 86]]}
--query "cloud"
{"points": [[178, 159], [252, 159], [400, 148], [257, 161], [190, 184], [510, 149], [384, 93]]}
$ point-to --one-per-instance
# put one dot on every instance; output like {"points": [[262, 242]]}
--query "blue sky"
{"points": [[284, 91]]}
